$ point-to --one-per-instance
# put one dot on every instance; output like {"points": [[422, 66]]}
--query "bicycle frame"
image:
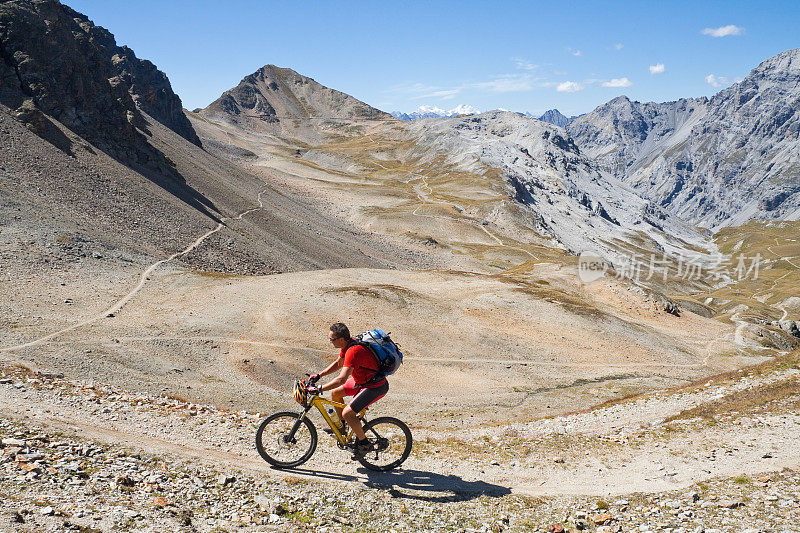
{"points": [[321, 404]]}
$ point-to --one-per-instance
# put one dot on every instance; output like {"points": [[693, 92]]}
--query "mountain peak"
{"points": [[787, 61], [717, 162], [621, 99], [273, 93], [554, 116], [64, 67]]}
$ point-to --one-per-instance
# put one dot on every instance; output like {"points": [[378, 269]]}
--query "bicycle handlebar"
{"points": [[311, 384]]}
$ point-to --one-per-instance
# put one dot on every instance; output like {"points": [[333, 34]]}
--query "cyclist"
{"points": [[358, 371]]}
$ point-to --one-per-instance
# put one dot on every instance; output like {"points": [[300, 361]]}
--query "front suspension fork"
{"points": [[296, 426]]}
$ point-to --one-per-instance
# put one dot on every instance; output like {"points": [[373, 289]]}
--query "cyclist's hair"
{"points": [[341, 331]]}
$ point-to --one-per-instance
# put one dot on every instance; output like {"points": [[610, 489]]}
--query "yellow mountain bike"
{"points": [[287, 439]]}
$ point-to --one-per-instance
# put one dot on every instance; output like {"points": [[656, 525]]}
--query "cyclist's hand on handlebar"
{"points": [[313, 378], [313, 389]]}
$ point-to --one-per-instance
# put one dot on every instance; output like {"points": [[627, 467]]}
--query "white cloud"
{"points": [[717, 81], [506, 83], [574, 51], [617, 82], [723, 31], [658, 68], [412, 88], [444, 94], [569, 87], [524, 64], [618, 46], [503, 83]]}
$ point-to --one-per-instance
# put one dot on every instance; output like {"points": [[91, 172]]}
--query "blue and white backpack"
{"points": [[387, 354]]}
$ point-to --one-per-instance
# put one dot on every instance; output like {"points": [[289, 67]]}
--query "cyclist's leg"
{"points": [[361, 400], [338, 394]]}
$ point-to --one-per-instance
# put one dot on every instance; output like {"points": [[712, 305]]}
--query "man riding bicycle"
{"points": [[358, 368]]}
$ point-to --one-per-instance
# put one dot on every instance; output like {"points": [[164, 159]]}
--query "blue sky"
{"points": [[522, 56]]}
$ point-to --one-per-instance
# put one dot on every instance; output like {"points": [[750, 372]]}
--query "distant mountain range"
{"points": [[566, 195], [552, 116], [428, 111], [716, 162]]}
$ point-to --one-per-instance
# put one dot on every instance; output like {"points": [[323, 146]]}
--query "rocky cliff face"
{"points": [[573, 201], [714, 162], [621, 132], [152, 92], [56, 63], [272, 94]]}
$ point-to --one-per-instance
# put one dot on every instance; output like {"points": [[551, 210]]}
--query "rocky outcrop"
{"points": [[716, 162], [54, 62], [152, 92], [789, 326]]}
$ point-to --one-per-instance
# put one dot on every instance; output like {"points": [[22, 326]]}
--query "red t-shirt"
{"points": [[363, 364]]}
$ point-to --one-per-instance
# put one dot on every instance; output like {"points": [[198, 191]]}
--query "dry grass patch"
{"points": [[744, 401]]}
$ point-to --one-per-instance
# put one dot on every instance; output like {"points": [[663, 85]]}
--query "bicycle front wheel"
{"points": [[391, 443], [279, 447]]}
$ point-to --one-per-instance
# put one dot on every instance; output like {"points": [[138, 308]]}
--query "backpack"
{"points": [[387, 354]]}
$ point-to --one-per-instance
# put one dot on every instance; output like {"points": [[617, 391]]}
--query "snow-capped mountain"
{"points": [[429, 111]]}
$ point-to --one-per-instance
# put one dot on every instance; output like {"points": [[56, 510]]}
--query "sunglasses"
{"points": [[333, 339]]}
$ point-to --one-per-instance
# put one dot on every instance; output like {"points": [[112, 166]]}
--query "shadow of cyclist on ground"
{"points": [[416, 484], [432, 487]]}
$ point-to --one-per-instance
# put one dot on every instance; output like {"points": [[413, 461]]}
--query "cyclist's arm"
{"points": [[338, 380]]}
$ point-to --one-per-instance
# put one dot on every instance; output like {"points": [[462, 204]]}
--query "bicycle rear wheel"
{"points": [[391, 442], [279, 449]]}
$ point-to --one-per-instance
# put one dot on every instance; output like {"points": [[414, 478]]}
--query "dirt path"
{"points": [[426, 199], [406, 360], [775, 282], [145, 276], [613, 450]]}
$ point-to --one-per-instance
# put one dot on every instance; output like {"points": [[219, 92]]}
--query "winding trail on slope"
{"points": [[738, 336], [774, 283], [426, 199], [145, 276], [407, 359]]}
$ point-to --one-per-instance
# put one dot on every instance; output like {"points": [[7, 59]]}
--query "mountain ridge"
{"points": [[426, 111], [551, 116], [717, 162]]}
